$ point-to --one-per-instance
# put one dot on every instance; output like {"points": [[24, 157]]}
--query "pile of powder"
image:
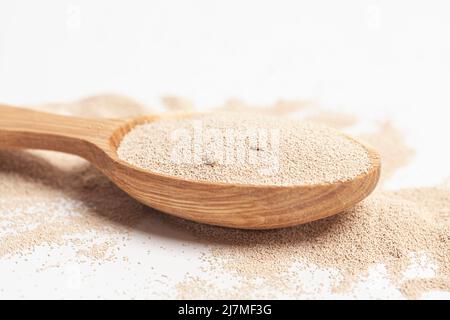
{"points": [[385, 228], [244, 148], [394, 152], [387, 139], [281, 107], [48, 199]]}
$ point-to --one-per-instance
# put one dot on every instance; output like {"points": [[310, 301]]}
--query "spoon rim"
{"points": [[130, 124]]}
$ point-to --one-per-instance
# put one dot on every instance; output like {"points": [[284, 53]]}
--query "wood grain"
{"points": [[229, 205]]}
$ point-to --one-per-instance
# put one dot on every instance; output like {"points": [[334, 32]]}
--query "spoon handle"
{"points": [[23, 128]]}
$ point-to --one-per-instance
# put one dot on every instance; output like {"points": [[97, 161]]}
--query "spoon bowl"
{"points": [[230, 205]]}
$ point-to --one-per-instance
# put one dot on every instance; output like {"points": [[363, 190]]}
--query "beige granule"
{"points": [[174, 103], [286, 152], [387, 139], [385, 228], [332, 119], [56, 207], [99, 251], [392, 147], [414, 288], [281, 107], [104, 106], [54, 199]]}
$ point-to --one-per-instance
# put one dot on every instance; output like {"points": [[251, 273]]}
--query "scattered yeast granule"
{"points": [[50, 199], [244, 149], [385, 228]]}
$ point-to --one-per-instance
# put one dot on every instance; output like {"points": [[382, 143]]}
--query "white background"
{"points": [[378, 59], [375, 58]]}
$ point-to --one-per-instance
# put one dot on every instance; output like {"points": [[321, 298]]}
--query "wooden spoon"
{"points": [[223, 204]]}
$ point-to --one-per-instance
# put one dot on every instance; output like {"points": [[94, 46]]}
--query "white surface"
{"points": [[378, 59]]}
